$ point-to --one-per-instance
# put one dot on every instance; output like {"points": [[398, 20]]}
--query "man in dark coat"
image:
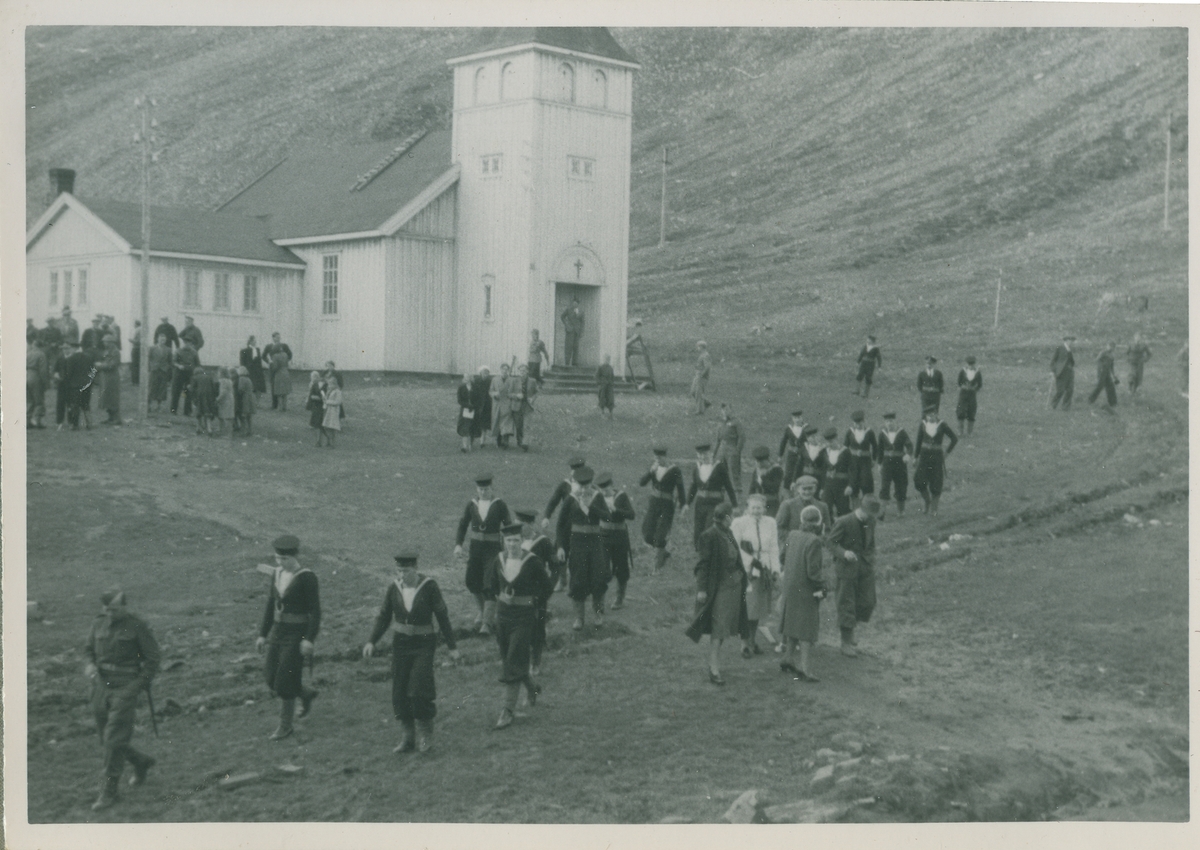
{"points": [[572, 319], [410, 605], [970, 382], [720, 589], [184, 362], [268, 355], [68, 326], [1062, 367], [290, 623], [122, 659], [869, 359], [76, 372], [931, 385], [852, 542], [165, 328], [1106, 378], [192, 334]]}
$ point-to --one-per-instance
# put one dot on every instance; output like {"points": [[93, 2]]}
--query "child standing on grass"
{"points": [[247, 396], [331, 422], [224, 406], [315, 403]]}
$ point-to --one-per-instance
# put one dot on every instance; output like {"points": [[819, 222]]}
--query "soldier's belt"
{"points": [[291, 618], [893, 454], [711, 494], [135, 669], [413, 629], [487, 536], [585, 529], [860, 452], [613, 526], [524, 601], [659, 494]]}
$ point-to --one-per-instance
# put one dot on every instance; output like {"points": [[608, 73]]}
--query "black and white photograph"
{"points": [[498, 419]]}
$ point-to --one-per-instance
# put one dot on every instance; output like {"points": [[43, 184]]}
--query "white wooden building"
{"points": [[439, 254]]}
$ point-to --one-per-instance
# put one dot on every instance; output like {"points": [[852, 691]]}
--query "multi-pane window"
{"points": [[329, 285], [581, 167], [492, 164], [53, 289], [191, 288], [66, 288], [250, 293], [489, 283], [81, 290], [220, 291]]}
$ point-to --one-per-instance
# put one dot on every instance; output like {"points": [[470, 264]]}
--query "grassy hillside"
{"points": [[823, 182]]}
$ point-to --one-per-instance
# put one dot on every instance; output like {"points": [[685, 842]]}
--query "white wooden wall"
{"points": [[355, 337]]}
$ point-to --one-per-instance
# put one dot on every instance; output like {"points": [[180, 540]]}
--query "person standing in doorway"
{"points": [[605, 379], [869, 359], [1062, 368], [572, 319], [700, 378], [1137, 355]]}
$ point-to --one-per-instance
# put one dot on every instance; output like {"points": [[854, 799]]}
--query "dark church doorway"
{"points": [[589, 304]]}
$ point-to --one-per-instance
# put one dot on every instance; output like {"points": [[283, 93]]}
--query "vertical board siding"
{"points": [[420, 306], [355, 338]]}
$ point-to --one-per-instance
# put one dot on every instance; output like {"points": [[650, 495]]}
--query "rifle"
{"points": [[153, 719]]}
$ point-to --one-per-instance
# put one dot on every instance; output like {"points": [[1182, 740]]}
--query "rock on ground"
{"points": [[747, 808]]}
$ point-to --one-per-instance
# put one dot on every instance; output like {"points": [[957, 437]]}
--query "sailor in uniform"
{"points": [[860, 442], [789, 447], [539, 544], [710, 486], [766, 479], [666, 490], [931, 458], [579, 527], [563, 489], [836, 461], [483, 518], [615, 534], [893, 450]]}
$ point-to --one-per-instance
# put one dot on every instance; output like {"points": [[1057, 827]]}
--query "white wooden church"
{"points": [[439, 254]]}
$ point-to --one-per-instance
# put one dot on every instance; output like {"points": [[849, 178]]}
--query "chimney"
{"points": [[61, 180]]}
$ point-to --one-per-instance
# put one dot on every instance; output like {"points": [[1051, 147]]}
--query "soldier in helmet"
{"points": [[122, 659], [289, 627], [410, 605]]}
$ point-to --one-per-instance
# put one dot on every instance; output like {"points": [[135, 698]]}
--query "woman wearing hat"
{"points": [[518, 582], [758, 540], [767, 479], [720, 587], [931, 458], [410, 605], [289, 626], [970, 382], [835, 459], [710, 487], [802, 591], [482, 518], [666, 489], [587, 561]]}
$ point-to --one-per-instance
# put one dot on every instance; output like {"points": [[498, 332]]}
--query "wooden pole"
{"points": [[662, 217], [1167, 178], [999, 283], [145, 103]]}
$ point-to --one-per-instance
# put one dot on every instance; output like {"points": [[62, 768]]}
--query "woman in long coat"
{"points": [[281, 377], [720, 586], [466, 415], [315, 402], [802, 591], [109, 368], [481, 403], [251, 358], [332, 421]]}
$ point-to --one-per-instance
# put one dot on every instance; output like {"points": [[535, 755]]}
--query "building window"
{"points": [[191, 288], [581, 167], [81, 293], [53, 289], [66, 289], [489, 285], [508, 78], [329, 285], [601, 89], [492, 164], [250, 293], [480, 84], [566, 78], [220, 291]]}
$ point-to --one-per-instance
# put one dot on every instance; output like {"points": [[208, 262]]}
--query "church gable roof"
{"points": [[345, 190], [593, 41]]}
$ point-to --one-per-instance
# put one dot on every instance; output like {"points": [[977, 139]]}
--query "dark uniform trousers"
{"points": [[284, 661], [413, 688], [835, 494], [515, 624], [892, 471], [588, 563], [855, 592], [616, 544], [931, 469], [479, 555], [114, 700], [656, 525], [862, 476]]}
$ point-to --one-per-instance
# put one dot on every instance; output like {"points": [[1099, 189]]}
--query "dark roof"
{"points": [[190, 231], [313, 193], [596, 41]]}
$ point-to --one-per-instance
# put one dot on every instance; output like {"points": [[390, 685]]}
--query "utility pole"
{"points": [[146, 139], [999, 284], [1167, 178], [662, 218]]}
